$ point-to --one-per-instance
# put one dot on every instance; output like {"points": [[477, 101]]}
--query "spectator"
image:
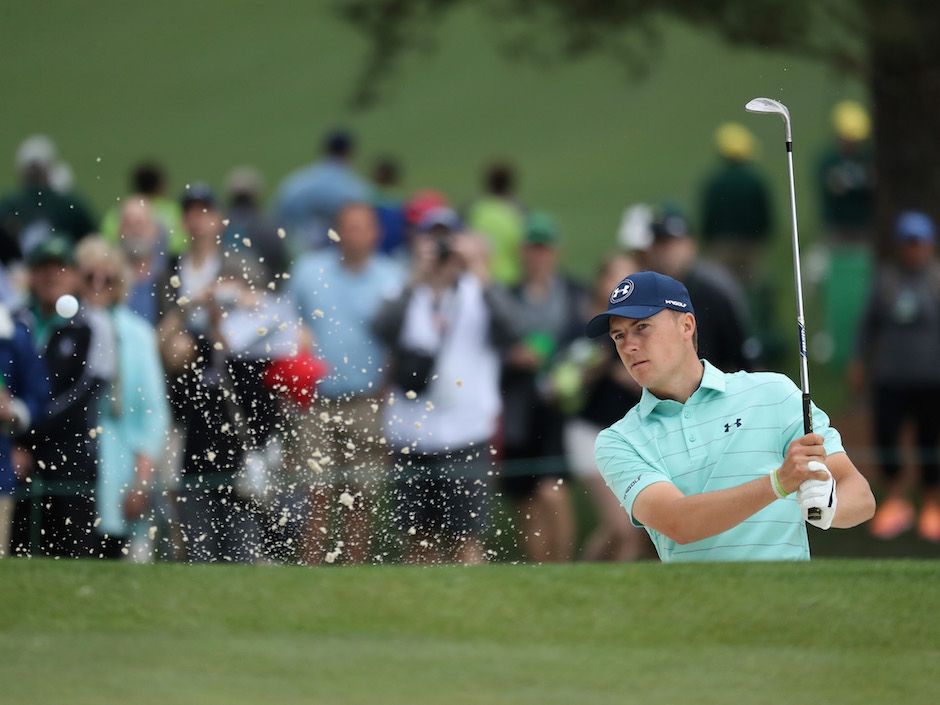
{"points": [[847, 178], [338, 292], [308, 200], [736, 217], [389, 207], [148, 183], [134, 418], [192, 276], [248, 229], [720, 304], [635, 233], [415, 211], [501, 219], [215, 524], [143, 241], [258, 327], [445, 330], [35, 211], [591, 384], [549, 308], [897, 352], [58, 517], [840, 265], [24, 394]]}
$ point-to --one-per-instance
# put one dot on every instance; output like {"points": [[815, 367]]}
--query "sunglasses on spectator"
{"points": [[99, 279]]}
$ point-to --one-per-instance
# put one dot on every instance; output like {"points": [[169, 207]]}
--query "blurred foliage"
{"points": [[548, 31]]}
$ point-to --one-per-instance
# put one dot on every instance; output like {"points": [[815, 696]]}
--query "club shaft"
{"points": [[798, 284]]}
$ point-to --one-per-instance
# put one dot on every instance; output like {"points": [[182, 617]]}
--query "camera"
{"points": [[444, 247]]}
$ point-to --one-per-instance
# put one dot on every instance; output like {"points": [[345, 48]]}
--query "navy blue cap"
{"points": [[914, 225], [442, 218], [198, 193], [641, 295]]}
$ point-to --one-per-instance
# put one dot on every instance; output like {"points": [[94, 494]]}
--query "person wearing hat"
{"points": [[549, 309], [715, 465], [52, 274], [723, 317], [34, 209], [840, 263], [736, 211], [24, 393], [897, 352], [194, 352], [249, 229], [847, 177], [79, 366], [445, 331]]}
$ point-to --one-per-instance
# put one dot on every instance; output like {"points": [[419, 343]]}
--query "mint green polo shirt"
{"points": [[734, 428]]}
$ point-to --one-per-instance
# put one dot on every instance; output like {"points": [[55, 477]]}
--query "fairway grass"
{"points": [[827, 631]]}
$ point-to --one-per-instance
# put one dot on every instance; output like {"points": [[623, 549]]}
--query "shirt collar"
{"points": [[712, 378]]}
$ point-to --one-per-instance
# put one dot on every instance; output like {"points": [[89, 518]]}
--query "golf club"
{"points": [[770, 106]]}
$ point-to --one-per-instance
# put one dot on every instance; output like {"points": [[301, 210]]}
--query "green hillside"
{"points": [[206, 86], [833, 632]]}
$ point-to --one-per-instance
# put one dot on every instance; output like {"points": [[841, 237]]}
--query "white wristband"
{"points": [[776, 486]]}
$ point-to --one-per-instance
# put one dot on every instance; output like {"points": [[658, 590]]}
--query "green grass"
{"points": [[833, 632]]}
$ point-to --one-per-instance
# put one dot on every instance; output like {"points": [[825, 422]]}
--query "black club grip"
{"points": [[807, 415]]}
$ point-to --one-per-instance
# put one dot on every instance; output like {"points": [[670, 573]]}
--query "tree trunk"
{"points": [[905, 93]]}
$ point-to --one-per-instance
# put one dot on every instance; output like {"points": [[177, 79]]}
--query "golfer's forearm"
{"points": [[699, 516], [856, 503]]}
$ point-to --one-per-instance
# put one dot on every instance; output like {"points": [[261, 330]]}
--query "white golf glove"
{"points": [[817, 498]]}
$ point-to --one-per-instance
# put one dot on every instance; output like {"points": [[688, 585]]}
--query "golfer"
{"points": [[715, 465]]}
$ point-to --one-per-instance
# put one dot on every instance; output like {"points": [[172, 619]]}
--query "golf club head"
{"points": [[769, 105]]}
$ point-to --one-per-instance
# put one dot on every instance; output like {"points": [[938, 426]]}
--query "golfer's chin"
{"points": [[640, 372]]}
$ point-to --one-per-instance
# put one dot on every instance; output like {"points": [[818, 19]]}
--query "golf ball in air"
{"points": [[66, 306]]}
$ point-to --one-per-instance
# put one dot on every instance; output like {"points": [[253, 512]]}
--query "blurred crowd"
{"points": [[350, 373]]}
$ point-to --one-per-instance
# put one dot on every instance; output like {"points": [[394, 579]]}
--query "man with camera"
{"points": [[444, 330]]}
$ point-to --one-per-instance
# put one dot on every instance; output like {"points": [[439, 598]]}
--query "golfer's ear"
{"points": [[689, 324]]}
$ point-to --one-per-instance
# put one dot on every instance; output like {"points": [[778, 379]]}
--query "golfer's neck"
{"points": [[681, 385]]}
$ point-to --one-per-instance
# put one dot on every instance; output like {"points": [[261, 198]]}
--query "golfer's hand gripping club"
{"points": [[817, 498], [804, 472]]}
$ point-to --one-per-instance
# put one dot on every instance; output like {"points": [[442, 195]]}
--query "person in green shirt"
{"points": [[715, 466], [499, 217], [846, 174], [35, 211], [148, 184], [736, 213]]}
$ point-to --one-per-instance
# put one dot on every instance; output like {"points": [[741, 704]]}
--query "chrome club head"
{"points": [[769, 105]]}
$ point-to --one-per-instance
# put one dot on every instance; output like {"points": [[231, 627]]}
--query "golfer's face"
{"points": [[649, 348]]}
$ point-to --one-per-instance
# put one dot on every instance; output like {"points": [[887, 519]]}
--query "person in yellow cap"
{"points": [[737, 223], [846, 183], [846, 177], [736, 216]]}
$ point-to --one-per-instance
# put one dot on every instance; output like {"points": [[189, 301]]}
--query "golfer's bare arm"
{"points": [[856, 502], [690, 518]]}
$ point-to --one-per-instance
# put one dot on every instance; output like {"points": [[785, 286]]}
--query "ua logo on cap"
{"points": [[623, 290]]}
